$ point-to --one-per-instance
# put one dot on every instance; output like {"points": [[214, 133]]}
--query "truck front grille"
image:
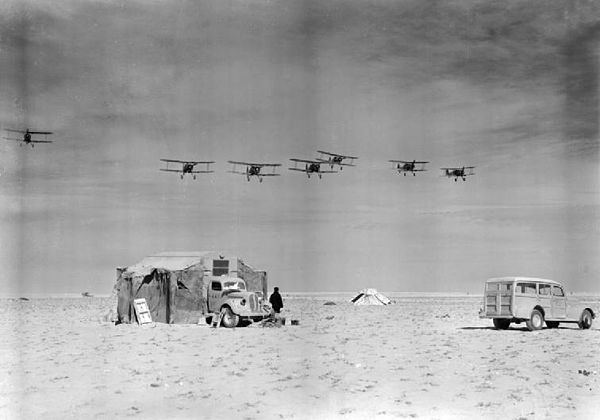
{"points": [[253, 300]]}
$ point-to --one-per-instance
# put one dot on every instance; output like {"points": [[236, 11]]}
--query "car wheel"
{"points": [[585, 322], [230, 320], [501, 323], [552, 324], [535, 321]]}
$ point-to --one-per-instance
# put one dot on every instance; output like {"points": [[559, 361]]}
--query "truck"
{"points": [[229, 299], [534, 301]]}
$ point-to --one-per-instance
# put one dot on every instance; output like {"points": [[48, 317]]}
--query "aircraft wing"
{"points": [[335, 154], [233, 162], [40, 132], [304, 160], [171, 170], [409, 161], [327, 172], [298, 169], [40, 141], [193, 162], [334, 163], [14, 131], [269, 174], [8, 138], [196, 162], [199, 172]]}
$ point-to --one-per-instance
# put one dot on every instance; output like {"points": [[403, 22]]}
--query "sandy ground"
{"points": [[420, 358]]}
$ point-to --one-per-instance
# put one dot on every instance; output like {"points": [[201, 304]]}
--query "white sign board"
{"points": [[142, 312]]}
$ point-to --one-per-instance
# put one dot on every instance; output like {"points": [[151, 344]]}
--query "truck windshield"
{"points": [[235, 285]]}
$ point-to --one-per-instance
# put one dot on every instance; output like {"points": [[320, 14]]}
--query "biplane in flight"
{"points": [[27, 139], [310, 167], [253, 169], [403, 166], [335, 159], [187, 167], [462, 172]]}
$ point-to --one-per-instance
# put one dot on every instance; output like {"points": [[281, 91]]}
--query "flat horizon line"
{"points": [[284, 294]]}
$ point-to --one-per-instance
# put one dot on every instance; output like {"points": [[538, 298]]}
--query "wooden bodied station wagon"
{"points": [[533, 301]]}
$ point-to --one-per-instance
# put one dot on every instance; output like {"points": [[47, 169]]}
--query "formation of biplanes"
{"points": [[331, 162], [314, 167]]}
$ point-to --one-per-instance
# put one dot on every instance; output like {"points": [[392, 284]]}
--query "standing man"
{"points": [[276, 301]]}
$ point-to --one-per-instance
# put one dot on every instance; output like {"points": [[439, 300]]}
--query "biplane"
{"points": [[335, 159], [462, 172], [253, 169], [187, 167], [310, 167], [27, 139], [403, 166]]}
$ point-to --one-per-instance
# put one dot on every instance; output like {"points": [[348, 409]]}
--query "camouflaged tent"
{"points": [[174, 284]]}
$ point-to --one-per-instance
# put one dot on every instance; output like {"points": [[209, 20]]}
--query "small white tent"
{"points": [[370, 297]]}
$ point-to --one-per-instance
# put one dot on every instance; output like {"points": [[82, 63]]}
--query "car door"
{"points": [[545, 298], [559, 302]]}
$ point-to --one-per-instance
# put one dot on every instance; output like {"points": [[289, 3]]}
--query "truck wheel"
{"points": [[535, 321], [552, 324], [501, 323], [585, 322], [230, 320]]}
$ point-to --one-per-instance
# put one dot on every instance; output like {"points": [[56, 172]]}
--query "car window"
{"points": [[505, 287], [215, 285], [236, 285], [557, 291], [527, 288], [545, 289]]}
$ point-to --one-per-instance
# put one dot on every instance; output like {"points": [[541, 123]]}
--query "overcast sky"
{"points": [[509, 87]]}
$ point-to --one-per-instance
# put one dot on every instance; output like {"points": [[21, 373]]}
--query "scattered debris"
{"points": [[271, 322], [330, 303], [87, 294], [24, 299], [330, 317], [586, 372], [443, 316]]}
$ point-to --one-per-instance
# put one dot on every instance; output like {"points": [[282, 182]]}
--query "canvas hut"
{"points": [[174, 284], [370, 297]]}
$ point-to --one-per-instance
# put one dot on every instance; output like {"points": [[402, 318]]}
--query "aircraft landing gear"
{"points": [[194, 176], [259, 179], [181, 176]]}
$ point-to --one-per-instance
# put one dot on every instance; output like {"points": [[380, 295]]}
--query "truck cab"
{"points": [[534, 301], [229, 295]]}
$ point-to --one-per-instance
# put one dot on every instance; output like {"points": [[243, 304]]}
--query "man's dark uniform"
{"points": [[276, 301]]}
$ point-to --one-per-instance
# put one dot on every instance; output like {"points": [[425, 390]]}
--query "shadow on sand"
{"points": [[518, 328]]}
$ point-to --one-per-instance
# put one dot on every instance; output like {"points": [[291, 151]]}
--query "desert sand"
{"points": [[422, 357]]}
